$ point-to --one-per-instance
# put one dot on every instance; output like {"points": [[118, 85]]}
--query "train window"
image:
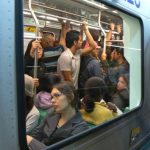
{"points": [[114, 85]]}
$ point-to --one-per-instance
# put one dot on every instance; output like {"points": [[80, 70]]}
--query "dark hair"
{"points": [[95, 89], [95, 34], [69, 91], [27, 52], [119, 50], [47, 81], [72, 36], [126, 79]]}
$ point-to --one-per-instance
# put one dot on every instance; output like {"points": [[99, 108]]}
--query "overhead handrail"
{"points": [[114, 41], [58, 10], [61, 18], [37, 35], [132, 48]]}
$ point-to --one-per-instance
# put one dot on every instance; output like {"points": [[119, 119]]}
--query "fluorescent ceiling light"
{"points": [[96, 4], [114, 11], [48, 18], [26, 13]]}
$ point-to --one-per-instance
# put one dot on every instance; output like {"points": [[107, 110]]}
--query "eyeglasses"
{"points": [[56, 95]]}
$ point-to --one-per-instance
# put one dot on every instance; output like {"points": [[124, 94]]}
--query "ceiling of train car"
{"points": [[78, 7]]}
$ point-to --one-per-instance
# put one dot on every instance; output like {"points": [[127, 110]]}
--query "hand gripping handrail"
{"points": [[99, 23], [37, 35]]}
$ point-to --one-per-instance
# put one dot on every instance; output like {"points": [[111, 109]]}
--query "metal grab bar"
{"points": [[61, 18], [37, 34], [104, 46], [114, 41], [58, 10]]}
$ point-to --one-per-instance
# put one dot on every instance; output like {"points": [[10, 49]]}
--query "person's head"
{"points": [[95, 34], [118, 53], [122, 82], [73, 38], [47, 81], [48, 40], [63, 97], [95, 52], [95, 89], [29, 48], [29, 92]]}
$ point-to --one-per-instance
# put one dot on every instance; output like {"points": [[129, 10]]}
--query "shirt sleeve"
{"points": [[32, 120], [65, 62], [36, 145]]}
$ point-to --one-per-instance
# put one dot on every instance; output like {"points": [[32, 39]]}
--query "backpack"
{"points": [[83, 75]]}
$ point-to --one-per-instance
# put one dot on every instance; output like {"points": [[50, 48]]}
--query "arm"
{"points": [[35, 44], [64, 30], [64, 66], [67, 76], [109, 35], [34, 144], [89, 37], [32, 119]]}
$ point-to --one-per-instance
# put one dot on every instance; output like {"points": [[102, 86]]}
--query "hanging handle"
{"points": [[104, 46]]}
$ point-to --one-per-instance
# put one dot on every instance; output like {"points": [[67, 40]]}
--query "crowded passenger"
{"points": [[69, 62], [52, 51], [64, 121], [42, 99], [121, 97], [90, 64], [29, 59], [94, 110], [32, 114]]}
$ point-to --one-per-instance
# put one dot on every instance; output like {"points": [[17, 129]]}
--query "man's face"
{"points": [[79, 43], [115, 55]]}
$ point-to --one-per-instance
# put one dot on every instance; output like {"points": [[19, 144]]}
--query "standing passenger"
{"points": [[69, 61], [29, 59]]}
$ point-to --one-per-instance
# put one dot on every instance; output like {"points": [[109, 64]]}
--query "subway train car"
{"points": [[21, 23]]}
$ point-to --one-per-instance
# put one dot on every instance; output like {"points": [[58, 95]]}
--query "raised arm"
{"points": [[64, 30], [109, 35], [92, 44]]}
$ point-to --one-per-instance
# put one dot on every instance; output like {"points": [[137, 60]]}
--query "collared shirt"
{"points": [[69, 62]]}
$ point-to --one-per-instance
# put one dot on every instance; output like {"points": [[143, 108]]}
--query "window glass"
{"points": [[109, 78]]}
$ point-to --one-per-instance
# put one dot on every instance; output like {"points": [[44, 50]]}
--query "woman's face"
{"points": [[36, 45], [59, 101], [121, 84]]}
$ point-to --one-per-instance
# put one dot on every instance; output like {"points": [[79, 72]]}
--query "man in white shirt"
{"points": [[69, 61]]}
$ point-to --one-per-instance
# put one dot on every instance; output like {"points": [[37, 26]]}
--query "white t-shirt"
{"points": [[69, 62]]}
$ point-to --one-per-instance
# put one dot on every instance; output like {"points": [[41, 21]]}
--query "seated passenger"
{"points": [[121, 97], [63, 122], [32, 114], [43, 98], [93, 110]]}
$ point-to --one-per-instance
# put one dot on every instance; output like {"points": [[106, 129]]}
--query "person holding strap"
{"points": [[68, 64]]}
